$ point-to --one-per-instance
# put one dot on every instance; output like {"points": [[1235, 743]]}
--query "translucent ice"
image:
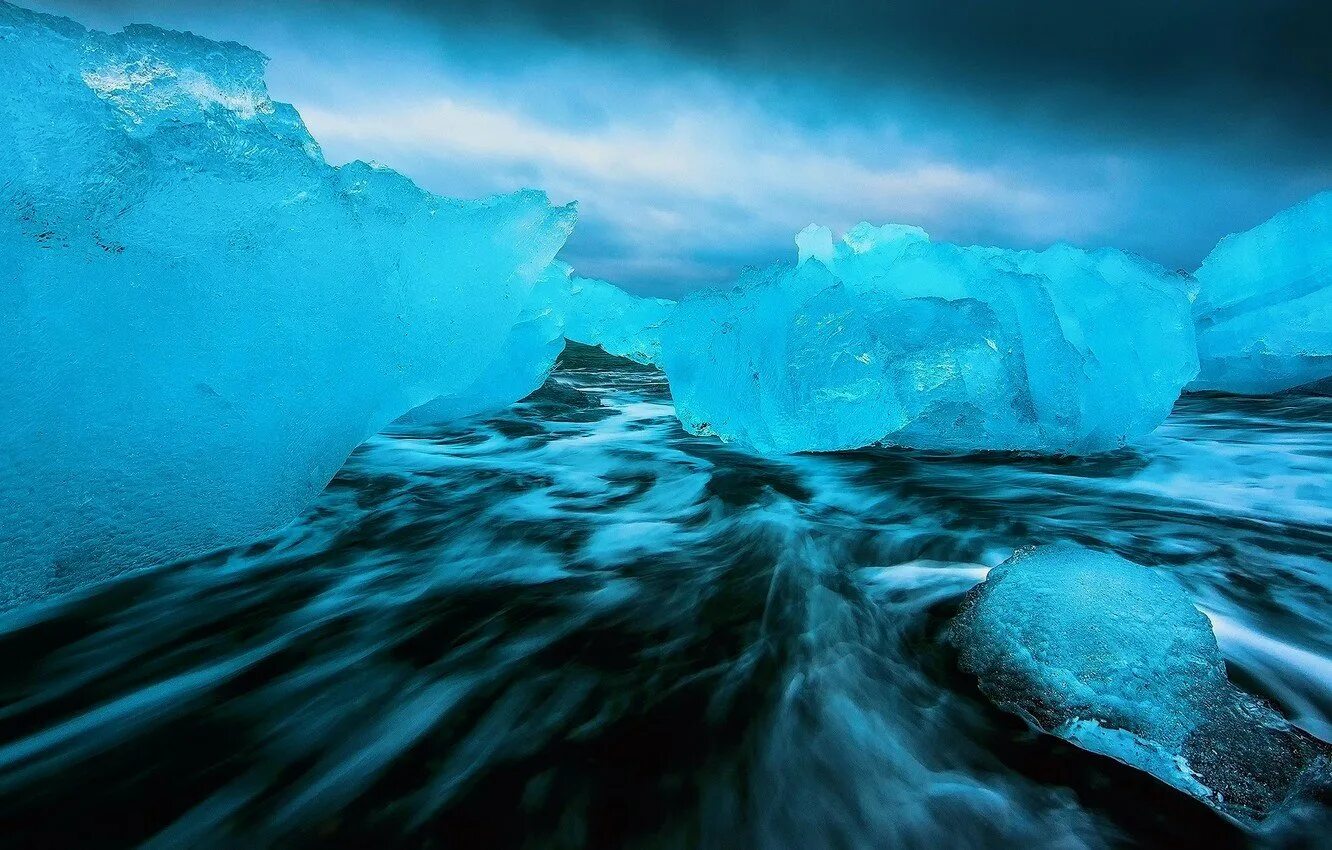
{"points": [[525, 358], [1113, 657], [200, 318], [1264, 308], [886, 337], [599, 313]]}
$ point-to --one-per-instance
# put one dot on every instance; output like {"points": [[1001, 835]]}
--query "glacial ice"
{"points": [[600, 313], [526, 356], [200, 318], [1113, 657], [1264, 308], [887, 337]]}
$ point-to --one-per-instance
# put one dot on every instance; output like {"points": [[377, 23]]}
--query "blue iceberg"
{"points": [[599, 313], [1264, 308], [200, 318], [526, 356], [885, 337], [1113, 657]]}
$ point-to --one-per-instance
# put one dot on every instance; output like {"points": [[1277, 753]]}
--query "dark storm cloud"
{"points": [[1249, 66], [700, 136]]}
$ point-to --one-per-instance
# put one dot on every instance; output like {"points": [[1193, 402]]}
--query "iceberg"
{"points": [[1264, 308], [886, 337], [200, 318], [1113, 657], [600, 313], [525, 359]]}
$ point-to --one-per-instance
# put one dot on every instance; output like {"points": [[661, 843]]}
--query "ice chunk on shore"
{"points": [[600, 313], [1264, 308], [1113, 657], [887, 337], [200, 318]]}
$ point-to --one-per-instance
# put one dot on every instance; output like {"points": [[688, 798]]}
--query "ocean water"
{"points": [[574, 625]]}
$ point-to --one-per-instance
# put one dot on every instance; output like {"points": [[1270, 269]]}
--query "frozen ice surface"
{"points": [[886, 337], [528, 353], [200, 318], [1264, 308], [1113, 656], [599, 313]]}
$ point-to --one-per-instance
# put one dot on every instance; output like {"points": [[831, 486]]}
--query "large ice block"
{"points": [[600, 313], [199, 317], [1264, 308], [1112, 656], [887, 337], [525, 359]]}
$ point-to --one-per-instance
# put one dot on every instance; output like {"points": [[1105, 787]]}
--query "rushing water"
{"points": [[575, 625]]}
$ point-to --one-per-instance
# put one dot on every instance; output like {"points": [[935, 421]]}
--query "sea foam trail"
{"points": [[580, 610]]}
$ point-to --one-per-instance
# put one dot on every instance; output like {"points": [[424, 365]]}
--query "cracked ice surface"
{"points": [[200, 318]]}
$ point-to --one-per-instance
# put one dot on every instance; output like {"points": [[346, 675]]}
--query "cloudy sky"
{"points": [[699, 137]]}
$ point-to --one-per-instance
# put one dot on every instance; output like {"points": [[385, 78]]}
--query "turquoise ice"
{"points": [[525, 358], [885, 337], [600, 313], [1113, 656], [1264, 308], [200, 318]]}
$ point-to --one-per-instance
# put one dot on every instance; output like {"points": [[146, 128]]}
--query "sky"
{"points": [[699, 137]]}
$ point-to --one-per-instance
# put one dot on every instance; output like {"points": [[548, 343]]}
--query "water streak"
{"points": [[575, 625]]}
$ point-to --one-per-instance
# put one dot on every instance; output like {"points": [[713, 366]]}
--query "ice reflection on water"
{"points": [[575, 625]]}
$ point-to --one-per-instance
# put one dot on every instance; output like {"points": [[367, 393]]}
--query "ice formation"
{"points": [[599, 313], [1113, 657], [200, 318], [1264, 308], [525, 358], [887, 337]]}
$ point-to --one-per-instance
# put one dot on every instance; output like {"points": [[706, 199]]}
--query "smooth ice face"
{"points": [[1113, 657], [887, 337], [199, 318], [599, 313], [1264, 308], [524, 361]]}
